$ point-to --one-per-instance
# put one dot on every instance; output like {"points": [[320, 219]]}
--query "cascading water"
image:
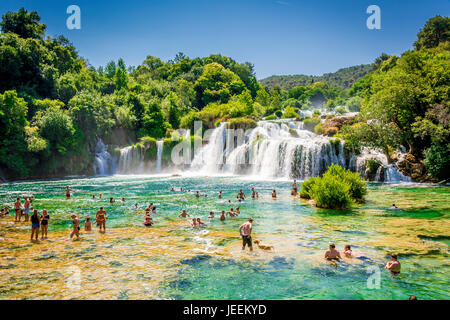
{"points": [[131, 160], [270, 150], [159, 151], [104, 163]]}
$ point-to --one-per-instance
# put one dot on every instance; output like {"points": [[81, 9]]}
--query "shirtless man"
{"points": [[241, 195], [238, 211], [245, 231], [26, 208], [332, 253], [394, 265], [197, 195], [222, 216], [184, 214], [274, 194], [194, 223], [199, 223], [101, 219], [231, 213], [220, 194], [17, 208], [149, 207], [76, 227], [253, 193], [211, 215]]}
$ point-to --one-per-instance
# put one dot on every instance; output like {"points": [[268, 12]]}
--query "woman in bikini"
{"points": [[101, 219], [44, 224]]}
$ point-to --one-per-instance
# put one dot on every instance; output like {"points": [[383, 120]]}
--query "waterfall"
{"points": [[271, 150], [131, 160], [104, 163], [159, 151]]}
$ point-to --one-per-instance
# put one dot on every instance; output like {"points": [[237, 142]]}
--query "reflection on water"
{"points": [[173, 261]]}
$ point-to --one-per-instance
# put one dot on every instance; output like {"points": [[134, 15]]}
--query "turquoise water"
{"points": [[174, 261]]}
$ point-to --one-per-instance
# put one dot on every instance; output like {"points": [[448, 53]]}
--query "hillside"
{"points": [[343, 78]]}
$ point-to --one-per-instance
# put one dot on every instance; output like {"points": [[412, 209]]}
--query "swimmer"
{"points": [[199, 223], [274, 194], [413, 298], [88, 224], [100, 196], [76, 227], [332, 253], [240, 195], [194, 223], [136, 206], [184, 214], [231, 213], [17, 209], [154, 210], [348, 251], [253, 193], [394, 265], [44, 224], [123, 199], [229, 201], [101, 219], [197, 195], [148, 221], [93, 196], [394, 206], [181, 189], [211, 215], [245, 231], [222, 216], [238, 211], [220, 194], [257, 195], [111, 200], [149, 207], [172, 189]]}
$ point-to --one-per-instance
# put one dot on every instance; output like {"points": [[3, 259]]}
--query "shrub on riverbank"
{"points": [[336, 189]]}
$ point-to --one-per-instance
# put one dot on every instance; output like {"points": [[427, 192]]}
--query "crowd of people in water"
{"points": [[39, 222]]}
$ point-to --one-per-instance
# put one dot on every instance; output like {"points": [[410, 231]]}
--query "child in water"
{"points": [[348, 251], [88, 224]]}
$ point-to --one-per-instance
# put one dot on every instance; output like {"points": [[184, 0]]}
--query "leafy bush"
{"points": [[437, 161], [335, 189], [271, 117], [318, 129], [311, 123], [316, 113], [331, 192], [278, 113], [306, 188], [241, 123], [290, 113]]}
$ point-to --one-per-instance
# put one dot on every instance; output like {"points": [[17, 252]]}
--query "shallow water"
{"points": [[173, 261]]}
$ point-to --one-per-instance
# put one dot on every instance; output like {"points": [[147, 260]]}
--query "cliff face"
{"points": [[410, 166], [331, 126]]}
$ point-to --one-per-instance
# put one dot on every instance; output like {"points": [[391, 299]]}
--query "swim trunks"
{"points": [[247, 240]]}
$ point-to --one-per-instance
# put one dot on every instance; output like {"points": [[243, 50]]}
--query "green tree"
{"points": [[23, 23], [435, 31]]}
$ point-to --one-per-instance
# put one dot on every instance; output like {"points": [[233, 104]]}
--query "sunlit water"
{"points": [[174, 261]]}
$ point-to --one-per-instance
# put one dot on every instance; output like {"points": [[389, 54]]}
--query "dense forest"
{"points": [[343, 78], [54, 105]]}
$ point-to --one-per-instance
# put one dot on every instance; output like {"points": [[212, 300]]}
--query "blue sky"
{"points": [[278, 37]]}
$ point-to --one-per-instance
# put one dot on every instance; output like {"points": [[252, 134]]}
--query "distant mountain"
{"points": [[343, 78]]}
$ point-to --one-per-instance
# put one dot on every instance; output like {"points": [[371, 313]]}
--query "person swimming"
{"points": [[240, 195], [231, 213], [93, 196], [332, 253], [148, 221], [253, 193], [238, 211], [348, 251], [123, 199], [136, 206], [194, 223], [294, 188], [394, 206], [211, 215], [222, 216], [199, 223], [274, 194], [111, 200], [197, 195], [68, 192], [220, 194], [184, 214], [393, 266]]}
